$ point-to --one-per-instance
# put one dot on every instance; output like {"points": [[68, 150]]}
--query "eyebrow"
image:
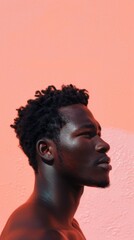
{"points": [[90, 126]]}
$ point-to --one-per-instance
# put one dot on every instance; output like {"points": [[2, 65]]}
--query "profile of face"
{"points": [[81, 152]]}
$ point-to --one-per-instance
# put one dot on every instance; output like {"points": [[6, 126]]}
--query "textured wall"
{"points": [[88, 43], [108, 213]]}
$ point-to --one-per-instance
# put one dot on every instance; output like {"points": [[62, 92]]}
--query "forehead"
{"points": [[78, 115]]}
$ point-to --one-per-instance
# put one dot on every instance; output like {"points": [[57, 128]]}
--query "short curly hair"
{"points": [[41, 118]]}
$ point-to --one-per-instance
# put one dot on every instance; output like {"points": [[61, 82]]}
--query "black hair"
{"points": [[40, 117]]}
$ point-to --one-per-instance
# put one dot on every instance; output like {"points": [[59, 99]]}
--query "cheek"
{"points": [[77, 149]]}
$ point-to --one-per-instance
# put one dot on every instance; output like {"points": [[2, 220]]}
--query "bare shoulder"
{"points": [[21, 221], [38, 235], [26, 224], [23, 224], [18, 215]]}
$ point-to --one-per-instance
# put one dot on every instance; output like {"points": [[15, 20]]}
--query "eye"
{"points": [[88, 134]]}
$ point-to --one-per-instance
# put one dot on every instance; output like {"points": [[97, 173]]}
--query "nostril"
{"points": [[103, 150]]}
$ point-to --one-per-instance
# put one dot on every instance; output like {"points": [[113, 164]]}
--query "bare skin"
{"points": [[78, 160]]}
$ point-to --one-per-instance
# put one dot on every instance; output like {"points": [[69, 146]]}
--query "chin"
{"points": [[99, 184], [103, 184]]}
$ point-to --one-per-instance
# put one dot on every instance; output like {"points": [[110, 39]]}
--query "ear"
{"points": [[44, 150]]}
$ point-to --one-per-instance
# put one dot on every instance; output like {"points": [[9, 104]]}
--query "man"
{"points": [[63, 143]]}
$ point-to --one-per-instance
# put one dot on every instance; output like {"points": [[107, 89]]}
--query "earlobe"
{"points": [[44, 150]]}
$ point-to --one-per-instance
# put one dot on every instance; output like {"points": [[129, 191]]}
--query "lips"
{"points": [[104, 163], [104, 160]]}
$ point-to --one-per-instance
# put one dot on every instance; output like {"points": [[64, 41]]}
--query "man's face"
{"points": [[81, 151]]}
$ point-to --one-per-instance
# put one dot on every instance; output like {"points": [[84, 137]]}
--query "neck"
{"points": [[57, 195]]}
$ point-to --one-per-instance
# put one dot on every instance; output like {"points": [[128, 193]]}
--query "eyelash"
{"points": [[91, 134]]}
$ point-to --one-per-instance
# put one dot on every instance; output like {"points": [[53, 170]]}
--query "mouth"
{"points": [[104, 163]]}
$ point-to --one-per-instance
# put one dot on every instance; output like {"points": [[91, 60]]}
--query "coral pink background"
{"points": [[89, 43]]}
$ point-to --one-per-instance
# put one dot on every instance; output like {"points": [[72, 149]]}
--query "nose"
{"points": [[102, 146]]}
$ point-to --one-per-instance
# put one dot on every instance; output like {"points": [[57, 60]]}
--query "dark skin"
{"points": [[79, 159]]}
